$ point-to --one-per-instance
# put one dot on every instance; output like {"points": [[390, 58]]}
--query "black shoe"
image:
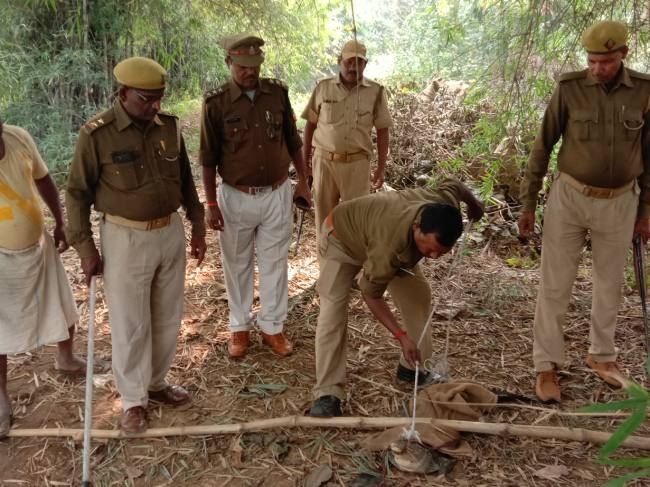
{"points": [[425, 378], [326, 407]]}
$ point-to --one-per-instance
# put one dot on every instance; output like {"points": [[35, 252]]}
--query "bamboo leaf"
{"points": [[613, 406], [637, 392], [626, 462], [621, 481], [617, 482], [623, 431]]}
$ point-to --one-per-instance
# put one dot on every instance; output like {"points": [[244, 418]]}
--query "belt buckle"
{"points": [[158, 223], [255, 190]]}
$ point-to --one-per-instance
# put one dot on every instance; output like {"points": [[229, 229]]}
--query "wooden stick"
{"points": [[360, 423]]}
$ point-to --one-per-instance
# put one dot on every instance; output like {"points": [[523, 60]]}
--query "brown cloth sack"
{"points": [[440, 401]]}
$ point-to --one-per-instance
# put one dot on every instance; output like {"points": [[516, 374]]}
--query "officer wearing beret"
{"points": [[249, 136], [131, 165], [603, 187], [341, 114]]}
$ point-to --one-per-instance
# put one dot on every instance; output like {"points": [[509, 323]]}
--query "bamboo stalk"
{"points": [[360, 423]]}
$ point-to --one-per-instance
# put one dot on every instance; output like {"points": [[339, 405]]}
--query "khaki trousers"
{"points": [[336, 181], [568, 216], [411, 294], [144, 274], [259, 222]]}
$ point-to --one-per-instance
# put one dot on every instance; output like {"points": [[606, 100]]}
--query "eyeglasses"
{"points": [[149, 100]]}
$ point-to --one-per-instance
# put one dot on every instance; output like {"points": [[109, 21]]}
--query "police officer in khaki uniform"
{"points": [[341, 114], [384, 235], [131, 165], [249, 135], [603, 188]]}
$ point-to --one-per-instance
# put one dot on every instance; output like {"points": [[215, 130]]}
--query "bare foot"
{"points": [[69, 364]]}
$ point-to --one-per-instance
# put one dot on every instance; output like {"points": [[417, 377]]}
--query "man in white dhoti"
{"points": [[36, 303]]}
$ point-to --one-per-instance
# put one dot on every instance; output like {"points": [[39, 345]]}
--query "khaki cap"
{"points": [[244, 49], [604, 37], [141, 73], [353, 49]]}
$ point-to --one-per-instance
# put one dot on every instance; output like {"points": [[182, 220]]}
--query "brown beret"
{"points": [[604, 37], [141, 73], [244, 49]]}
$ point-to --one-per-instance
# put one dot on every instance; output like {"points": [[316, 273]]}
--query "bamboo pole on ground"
{"points": [[360, 423]]}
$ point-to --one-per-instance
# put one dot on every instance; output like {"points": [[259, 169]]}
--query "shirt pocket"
{"points": [[274, 120], [168, 159], [236, 132], [366, 119], [332, 111], [170, 165], [120, 170], [584, 124], [632, 120]]}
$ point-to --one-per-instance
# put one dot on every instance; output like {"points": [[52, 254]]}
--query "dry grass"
{"points": [[491, 343]]}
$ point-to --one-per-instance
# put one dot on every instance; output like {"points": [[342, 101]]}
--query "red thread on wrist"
{"points": [[210, 204], [399, 334]]}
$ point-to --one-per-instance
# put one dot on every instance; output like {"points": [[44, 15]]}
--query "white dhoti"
{"points": [[263, 222], [36, 302]]}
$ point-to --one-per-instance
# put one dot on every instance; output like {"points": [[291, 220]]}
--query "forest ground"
{"points": [[493, 288]]}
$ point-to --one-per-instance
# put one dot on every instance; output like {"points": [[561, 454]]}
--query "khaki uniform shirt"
{"points": [[344, 118], [21, 218], [603, 135], [126, 172], [377, 230], [250, 142]]}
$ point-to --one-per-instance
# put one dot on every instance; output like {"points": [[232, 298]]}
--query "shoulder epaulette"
{"points": [[573, 75], [637, 74], [99, 121], [322, 80], [217, 91], [278, 82], [167, 114]]}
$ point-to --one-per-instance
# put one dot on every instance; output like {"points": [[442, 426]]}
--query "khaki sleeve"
{"points": [[644, 179], [212, 135], [382, 114], [550, 132], [194, 210], [80, 195], [312, 110], [378, 271], [449, 192]]}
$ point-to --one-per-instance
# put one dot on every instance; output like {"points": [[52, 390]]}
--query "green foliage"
{"points": [[638, 403], [57, 56]]}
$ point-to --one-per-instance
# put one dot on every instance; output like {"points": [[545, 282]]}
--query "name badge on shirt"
{"points": [[122, 157]]}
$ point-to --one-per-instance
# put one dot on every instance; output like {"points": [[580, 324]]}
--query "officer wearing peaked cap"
{"points": [[341, 114], [131, 164], [249, 136], [603, 187]]}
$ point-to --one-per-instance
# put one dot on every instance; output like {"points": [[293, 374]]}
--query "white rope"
{"points": [[442, 367]]}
